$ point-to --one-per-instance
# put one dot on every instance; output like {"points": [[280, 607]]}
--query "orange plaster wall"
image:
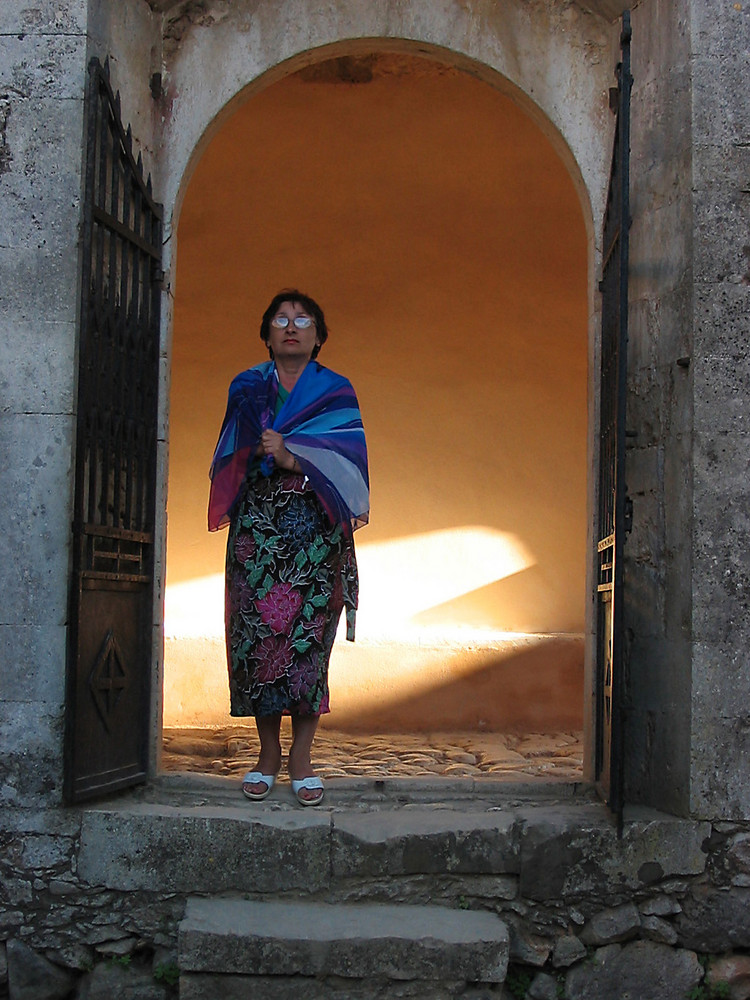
{"points": [[444, 239]]}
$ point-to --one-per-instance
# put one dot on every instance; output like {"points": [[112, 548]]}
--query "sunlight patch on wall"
{"points": [[403, 577], [399, 579]]}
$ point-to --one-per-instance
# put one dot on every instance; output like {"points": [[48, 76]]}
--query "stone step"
{"points": [[231, 948], [490, 845], [190, 844]]}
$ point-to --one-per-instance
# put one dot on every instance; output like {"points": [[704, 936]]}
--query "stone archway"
{"points": [[358, 63]]}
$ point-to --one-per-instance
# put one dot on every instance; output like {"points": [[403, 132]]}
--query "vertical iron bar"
{"points": [[618, 680], [612, 488]]}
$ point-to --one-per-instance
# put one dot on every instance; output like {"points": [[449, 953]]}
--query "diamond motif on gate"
{"points": [[108, 679]]}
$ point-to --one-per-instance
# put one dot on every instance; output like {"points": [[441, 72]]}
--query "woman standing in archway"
{"points": [[289, 476]]}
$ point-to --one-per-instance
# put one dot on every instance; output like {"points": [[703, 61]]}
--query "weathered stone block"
{"points": [[125, 983], [721, 210], [715, 920], [656, 929], [721, 613], [34, 492], [46, 852], [720, 367], [660, 906], [37, 370], [613, 925], [207, 986], [41, 187], [719, 756], [53, 278], [526, 947], [33, 659], [543, 987], [721, 686], [722, 32], [567, 951], [722, 466], [204, 849], [423, 841], [353, 941], [571, 857], [717, 120], [33, 977], [44, 17], [30, 774], [738, 852], [642, 969], [49, 65]]}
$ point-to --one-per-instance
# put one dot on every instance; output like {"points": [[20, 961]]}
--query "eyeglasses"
{"points": [[281, 322]]}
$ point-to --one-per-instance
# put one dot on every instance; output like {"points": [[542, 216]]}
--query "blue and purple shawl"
{"points": [[322, 428]]}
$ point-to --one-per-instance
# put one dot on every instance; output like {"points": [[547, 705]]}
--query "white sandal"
{"points": [[255, 778], [311, 784]]}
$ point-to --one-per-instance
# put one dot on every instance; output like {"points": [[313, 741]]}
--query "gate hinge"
{"points": [[628, 514]]}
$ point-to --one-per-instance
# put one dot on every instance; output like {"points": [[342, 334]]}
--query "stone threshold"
{"points": [[359, 794], [190, 835]]}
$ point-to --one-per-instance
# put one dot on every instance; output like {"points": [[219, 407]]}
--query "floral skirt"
{"points": [[288, 576]]}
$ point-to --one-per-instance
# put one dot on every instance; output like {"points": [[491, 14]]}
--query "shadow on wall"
{"points": [[530, 684]]}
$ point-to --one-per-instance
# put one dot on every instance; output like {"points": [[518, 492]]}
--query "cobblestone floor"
{"points": [[232, 750]]}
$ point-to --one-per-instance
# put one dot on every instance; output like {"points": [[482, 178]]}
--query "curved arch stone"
{"points": [[553, 59]]}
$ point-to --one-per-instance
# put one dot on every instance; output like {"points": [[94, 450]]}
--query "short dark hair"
{"points": [[309, 305]]}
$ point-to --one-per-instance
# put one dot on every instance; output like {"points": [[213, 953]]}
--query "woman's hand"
{"points": [[272, 444]]}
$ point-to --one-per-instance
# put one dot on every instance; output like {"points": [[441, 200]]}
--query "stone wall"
{"points": [[93, 901], [721, 404], [42, 77], [686, 590], [44, 52], [659, 418]]}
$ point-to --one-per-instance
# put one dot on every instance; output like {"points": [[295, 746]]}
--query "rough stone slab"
{"points": [[209, 986], [564, 854], [32, 977], [641, 970], [168, 849], [613, 925], [349, 940], [715, 920], [106, 982], [424, 841]]}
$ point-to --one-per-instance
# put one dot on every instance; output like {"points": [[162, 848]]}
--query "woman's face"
{"points": [[292, 342]]}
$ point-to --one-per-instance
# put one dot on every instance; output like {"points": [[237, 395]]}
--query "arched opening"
{"points": [[444, 237]]}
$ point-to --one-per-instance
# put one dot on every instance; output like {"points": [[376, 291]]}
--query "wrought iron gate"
{"points": [[111, 596], [614, 514]]}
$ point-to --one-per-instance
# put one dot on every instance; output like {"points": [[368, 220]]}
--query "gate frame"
{"points": [[114, 513]]}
